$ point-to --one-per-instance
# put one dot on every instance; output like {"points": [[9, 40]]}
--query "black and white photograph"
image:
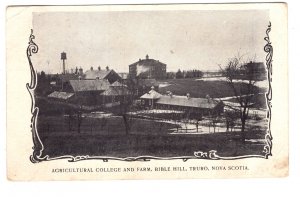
{"points": [[152, 84], [147, 91]]}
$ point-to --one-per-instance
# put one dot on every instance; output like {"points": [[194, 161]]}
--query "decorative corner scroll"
{"points": [[212, 154]]}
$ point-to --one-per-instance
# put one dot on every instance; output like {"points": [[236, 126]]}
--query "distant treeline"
{"points": [[185, 74], [43, 83]]}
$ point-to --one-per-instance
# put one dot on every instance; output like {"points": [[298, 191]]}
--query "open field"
{"points": [[200, 88], [113, 125], [227, 144], [66, 130], [145, 138], [259, 100]]}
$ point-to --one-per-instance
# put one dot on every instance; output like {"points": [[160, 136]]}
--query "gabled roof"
{"points": [[68, 76], [89, 85], [204, 103], [147, 62], [116, 91], [61, 95], [93, 74], [118, 84], [152, 94], [100, 74]]}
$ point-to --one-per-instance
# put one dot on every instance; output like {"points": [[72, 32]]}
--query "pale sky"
{"points": [[181, 39]]}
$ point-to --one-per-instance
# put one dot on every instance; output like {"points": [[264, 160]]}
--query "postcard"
{"points": [[161, 91]]}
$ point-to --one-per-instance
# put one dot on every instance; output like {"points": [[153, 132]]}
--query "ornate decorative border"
{"points": [[269, 50], [38, 146]]}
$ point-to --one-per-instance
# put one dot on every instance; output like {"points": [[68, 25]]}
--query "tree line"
{"points": [[185, 74]]}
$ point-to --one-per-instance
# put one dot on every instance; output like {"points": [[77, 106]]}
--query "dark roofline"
{"points": [[212, 104], [146, 60]]}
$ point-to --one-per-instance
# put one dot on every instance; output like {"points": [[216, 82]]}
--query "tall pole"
{"points": [[64, 67], [63, 57]]}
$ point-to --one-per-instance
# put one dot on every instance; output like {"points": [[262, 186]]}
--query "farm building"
{"points": [[204, 106], [92, 92], [59, 81], [61, 96], [116, 92], [145, 85], [149, 99], [85, 92], [148, 69], [142, 86], [107, 74], [254, 70]]}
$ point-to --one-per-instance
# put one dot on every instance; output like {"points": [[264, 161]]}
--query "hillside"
{"points": [[201, 88]]}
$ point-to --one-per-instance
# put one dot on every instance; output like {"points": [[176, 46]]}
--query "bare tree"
{"points": [[79, 119], [177, 124], [197, 124], [236, 69], [125, 99], [186, 119], [214, 120], [103, 122], [230, 118], [123, 111]]}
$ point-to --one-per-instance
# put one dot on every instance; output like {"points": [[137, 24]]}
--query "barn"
{"points": [[92, 93], [110, 75], [116, 93], [87, 92]]}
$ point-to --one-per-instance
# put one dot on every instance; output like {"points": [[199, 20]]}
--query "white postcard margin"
{"points": [[19, 137]]}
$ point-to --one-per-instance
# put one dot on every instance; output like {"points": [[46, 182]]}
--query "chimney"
{"points": [[99, 68], [208, 98], [80, 71], [107, 68], [92, 68], [147, 56], [188, 96]]}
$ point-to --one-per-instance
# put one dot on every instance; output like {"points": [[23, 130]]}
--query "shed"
{"points": [[150, 98], [61, 95], [89, 85], [87, 92], [109, 75]]}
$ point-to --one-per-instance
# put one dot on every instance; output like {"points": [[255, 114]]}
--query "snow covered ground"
{"points": [[260, 84], [232, 97], [189, 126], [164, 84], [205, 126], [156, 111], [97, 114]]}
